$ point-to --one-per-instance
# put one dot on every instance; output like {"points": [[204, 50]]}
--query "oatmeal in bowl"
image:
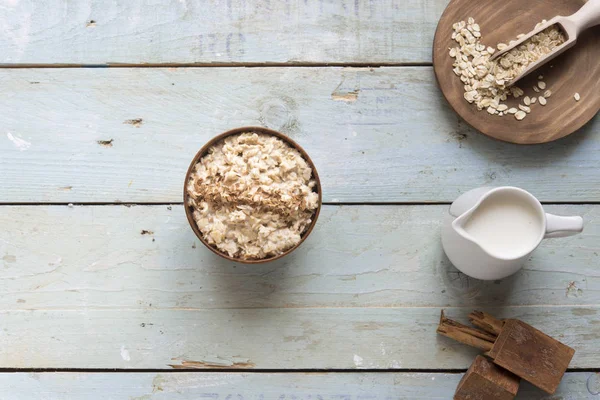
{"points": [[252, 195]]}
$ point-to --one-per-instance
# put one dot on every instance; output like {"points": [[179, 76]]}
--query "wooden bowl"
{"points": [[576, 71], [204, 150]]}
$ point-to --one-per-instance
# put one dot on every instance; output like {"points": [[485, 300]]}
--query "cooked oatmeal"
{"points": [[253, 196]]}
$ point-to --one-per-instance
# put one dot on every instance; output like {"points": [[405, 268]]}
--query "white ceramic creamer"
{"points": [[490, 232]]}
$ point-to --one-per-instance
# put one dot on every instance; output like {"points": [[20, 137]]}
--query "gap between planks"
{"points": [[432, 203], [406, 203], [243, 370], [217, 65], [257, 371], [196, 309]]}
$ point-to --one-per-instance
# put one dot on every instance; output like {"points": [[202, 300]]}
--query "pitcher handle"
{"points": [[557, 226]]}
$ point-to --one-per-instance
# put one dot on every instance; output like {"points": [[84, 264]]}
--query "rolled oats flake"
{"points": [[524, 108], [516, 91]]}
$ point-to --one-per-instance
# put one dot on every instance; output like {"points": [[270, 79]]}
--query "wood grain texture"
{"points": [[531, 354], [484, 380], [291, 338], [563, 76], [261, 386], [232, 31], [113, 257], [375, 135]]}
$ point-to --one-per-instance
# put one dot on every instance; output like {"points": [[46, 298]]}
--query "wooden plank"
{"points": [[232, 31], [261, 386], [83, 288], [292, 338], [59, 257], [73, 135]]}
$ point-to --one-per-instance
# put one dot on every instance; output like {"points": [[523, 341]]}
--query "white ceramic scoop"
{"points": [[587, 17]]}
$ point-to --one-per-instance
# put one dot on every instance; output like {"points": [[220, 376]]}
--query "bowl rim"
{"points": [[204, 150]]}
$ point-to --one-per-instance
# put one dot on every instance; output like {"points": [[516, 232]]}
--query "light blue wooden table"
{"points": [[104, 103]]}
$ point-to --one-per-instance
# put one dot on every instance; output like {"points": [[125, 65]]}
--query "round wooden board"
{"points": [[576, 71]]}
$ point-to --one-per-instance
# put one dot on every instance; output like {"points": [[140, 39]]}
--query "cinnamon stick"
{"points": [[464, 334], [467, 329], [486, 322]]}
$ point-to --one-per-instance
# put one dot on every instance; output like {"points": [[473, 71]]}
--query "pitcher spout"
{"points": [[458, 225]]}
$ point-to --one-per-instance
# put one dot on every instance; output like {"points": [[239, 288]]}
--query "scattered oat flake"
{"points": [[527, 100], [524, 108], [542, 85], [577, 97], [547, 93], [512, 110], [517, 92], [533, 100], [542, 100], [541, 77], [536, 89], [520, 115]]}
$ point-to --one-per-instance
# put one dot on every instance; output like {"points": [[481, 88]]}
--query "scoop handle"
{"points": [[557, 226], [587, 16]]}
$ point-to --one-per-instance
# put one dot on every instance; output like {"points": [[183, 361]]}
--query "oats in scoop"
{"points": [[484, 81]]}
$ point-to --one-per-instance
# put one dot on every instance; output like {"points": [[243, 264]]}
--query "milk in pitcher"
{"points": [[506, 225]]}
